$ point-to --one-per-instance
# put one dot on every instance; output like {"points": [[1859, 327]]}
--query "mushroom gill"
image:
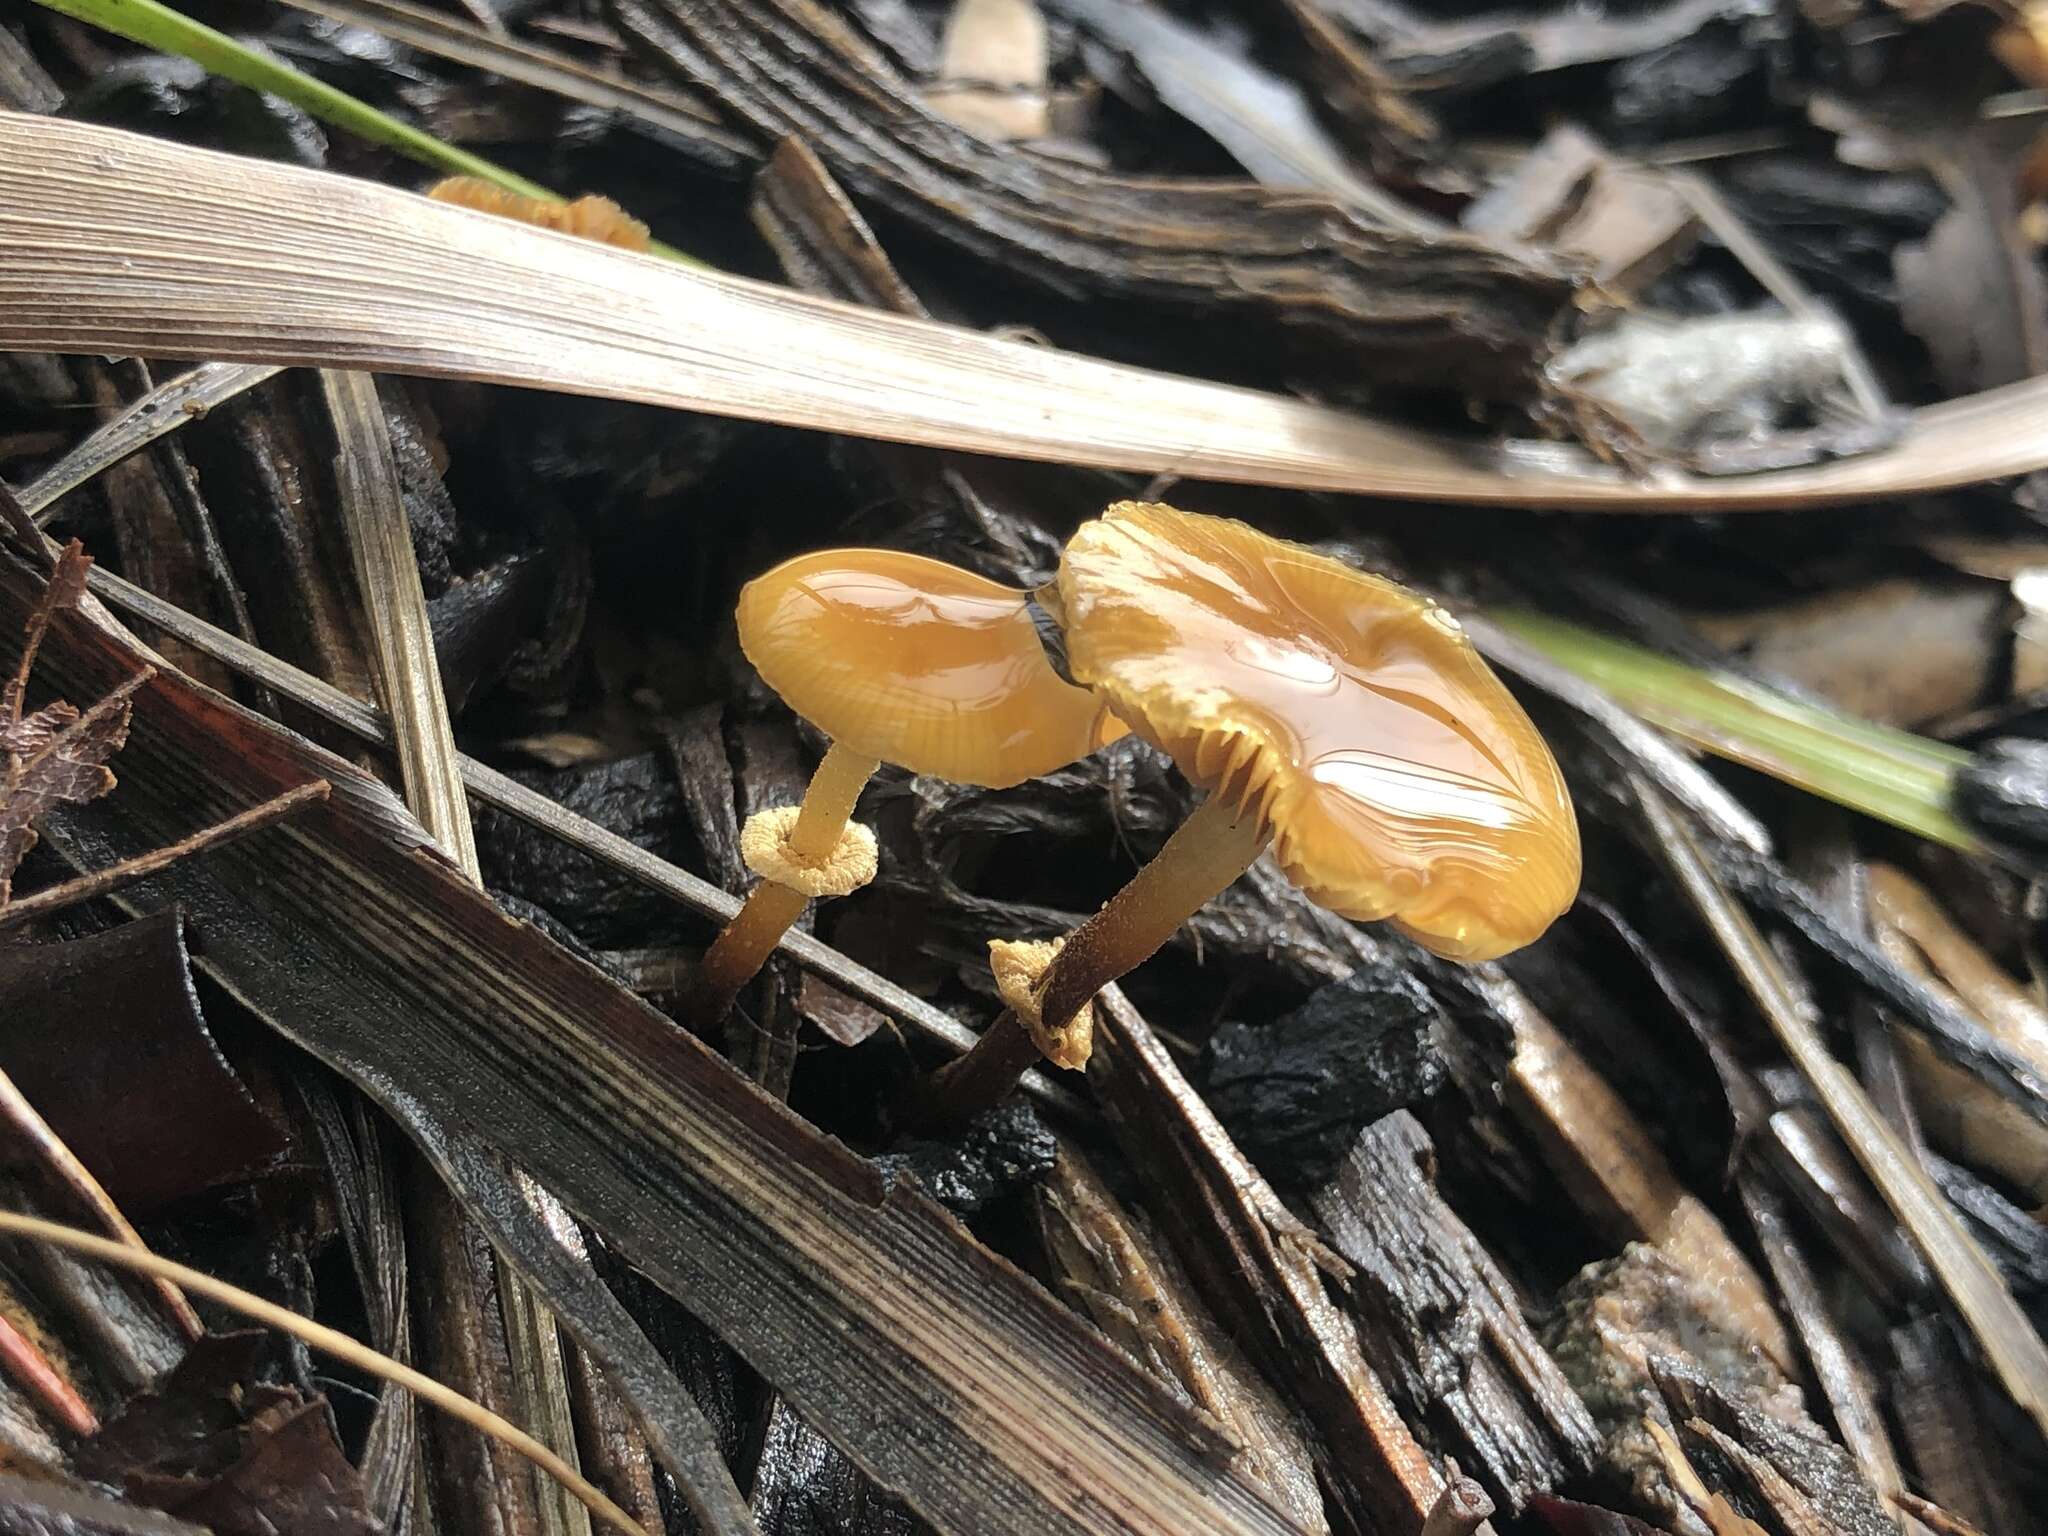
{"points": [[1350, 716]]}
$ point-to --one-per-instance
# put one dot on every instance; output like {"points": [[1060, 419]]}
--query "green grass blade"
{"points": [[1890, 774], [158, 26]]}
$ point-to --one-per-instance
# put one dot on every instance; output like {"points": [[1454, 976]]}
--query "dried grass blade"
{"points": [[113, 242], [401, 638], [1838, 1370], [2016, 1352], [402, 641]]}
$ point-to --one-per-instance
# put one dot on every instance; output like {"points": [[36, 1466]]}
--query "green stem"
{"points": [[158, 26], [1890, 774]]}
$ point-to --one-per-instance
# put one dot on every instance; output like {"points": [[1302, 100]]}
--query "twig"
{"points": [[1840, 1374], [31, 1371], [1720, 1516], [63, 588], [116, 698], [49, 1152], [128, 871], [328, 1341], [1945, 1522]]}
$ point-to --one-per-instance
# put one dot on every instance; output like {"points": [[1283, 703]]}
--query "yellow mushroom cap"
{"points": [[1398, 777], [918, 663]]}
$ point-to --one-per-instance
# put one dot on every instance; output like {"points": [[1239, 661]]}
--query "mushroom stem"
{"points": [[829, 801], [743, 947], [1209, 850], [738, 953], [981, 1079]]}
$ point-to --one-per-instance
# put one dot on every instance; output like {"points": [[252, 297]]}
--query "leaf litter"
{"points": [[1334, 1193]]}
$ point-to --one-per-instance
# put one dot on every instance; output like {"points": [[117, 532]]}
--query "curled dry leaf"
{"points": [[145, 1097]]}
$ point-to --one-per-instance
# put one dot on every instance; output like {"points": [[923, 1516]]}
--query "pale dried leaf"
{"points": [[110, 242]]}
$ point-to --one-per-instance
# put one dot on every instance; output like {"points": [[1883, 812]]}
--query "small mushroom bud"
{"points": [[589, 217]]}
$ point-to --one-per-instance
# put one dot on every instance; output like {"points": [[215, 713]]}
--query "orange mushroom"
{"points": [[591, 217], [1335, 716], [898, 659]]}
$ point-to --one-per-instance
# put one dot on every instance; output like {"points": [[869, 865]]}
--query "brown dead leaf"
{"points": [[219, 1442], [29, 735], [66, 765]]}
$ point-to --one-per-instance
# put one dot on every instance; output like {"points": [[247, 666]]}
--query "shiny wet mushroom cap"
{"points": [[898, 659], [914, 662], [1396, 775], [1336, 717]]}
